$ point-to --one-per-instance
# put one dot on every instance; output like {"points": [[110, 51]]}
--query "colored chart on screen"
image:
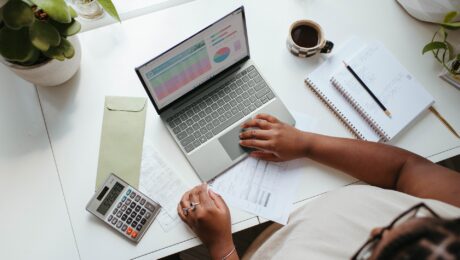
{"points": [[221, 54], [178, 71]]}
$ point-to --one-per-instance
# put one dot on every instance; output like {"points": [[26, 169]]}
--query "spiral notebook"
{"points": [[394, 86]]}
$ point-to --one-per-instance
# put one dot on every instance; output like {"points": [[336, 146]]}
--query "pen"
{"points": [[385, 110]]}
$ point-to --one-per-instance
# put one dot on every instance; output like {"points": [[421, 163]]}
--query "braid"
{"points": [[438, 240]]}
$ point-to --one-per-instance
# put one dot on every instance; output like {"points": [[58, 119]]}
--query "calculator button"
{"points": [[133, 215], [147, 215], [119, 224], [137, 208], [129, 220], [119, 204], [132, 205], [133, 194], [134, 224], [129, 231], [124, 227], [150, 207], [128, 201], [137, 198], [142, 201], [124, 217], [134, 234], [128, 211], [114, 211], [110, 218], [142, 212], [114, 221], [123, 208], [138, 217], [143, 221], [123, 199], [128, 192], [139, 227], [119, 214]]}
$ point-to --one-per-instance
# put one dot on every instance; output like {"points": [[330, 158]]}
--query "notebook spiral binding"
{"points": [[342, 118], [374, 125]]}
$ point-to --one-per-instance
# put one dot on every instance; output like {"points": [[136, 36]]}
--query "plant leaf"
{"points": [[434, 46], [61, 52], [56, 9], [110, 9], [43, 35], [72, 12], [15, 45], [450, 48], [17, 14], [67, 29], [449, 16], [451, 26]]}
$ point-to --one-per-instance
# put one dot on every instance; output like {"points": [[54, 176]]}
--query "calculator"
{"points": [[123, 208]]}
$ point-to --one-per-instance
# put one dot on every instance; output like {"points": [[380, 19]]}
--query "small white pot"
{"points": [[52, 72]]}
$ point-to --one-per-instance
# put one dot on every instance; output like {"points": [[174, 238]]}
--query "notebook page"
{"points": [[390, 82], [320, 83]]}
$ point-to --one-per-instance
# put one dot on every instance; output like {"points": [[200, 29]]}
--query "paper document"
{"points": [[162, 185], [263, 188]]}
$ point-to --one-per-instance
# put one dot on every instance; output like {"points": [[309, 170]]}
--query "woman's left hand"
{"points": [[209, 219]]}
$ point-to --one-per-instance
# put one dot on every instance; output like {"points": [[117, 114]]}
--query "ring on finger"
{"points": [[185, 210], [193, 205]]}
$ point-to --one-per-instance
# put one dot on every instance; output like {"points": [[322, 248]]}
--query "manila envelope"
{"points": [[122, 137]]}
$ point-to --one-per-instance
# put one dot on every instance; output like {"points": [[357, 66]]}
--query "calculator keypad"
{"points": [[131, 213]]}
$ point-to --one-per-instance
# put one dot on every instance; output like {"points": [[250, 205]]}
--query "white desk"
{"points": [[73, 112], [34, 218]]}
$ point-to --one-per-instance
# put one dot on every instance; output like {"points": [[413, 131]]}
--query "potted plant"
{"points": [[443, 51], [38, 42]]}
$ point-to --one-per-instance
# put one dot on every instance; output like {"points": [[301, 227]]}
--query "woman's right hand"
{"points": [[273, 139]]}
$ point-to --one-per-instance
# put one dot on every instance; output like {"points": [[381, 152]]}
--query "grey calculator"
{"points": [[123, 208]]}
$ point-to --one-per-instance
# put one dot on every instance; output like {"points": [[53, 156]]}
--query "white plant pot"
{"points": [[52, 72]]}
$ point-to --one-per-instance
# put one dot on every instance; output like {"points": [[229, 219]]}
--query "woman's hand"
{"points": [[273, 139], [209, 219]]}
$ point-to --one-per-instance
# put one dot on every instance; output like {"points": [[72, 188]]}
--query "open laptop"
{"points": [[204, 88]]}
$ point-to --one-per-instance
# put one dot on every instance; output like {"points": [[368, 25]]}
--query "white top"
{"points": [[334, 226]]}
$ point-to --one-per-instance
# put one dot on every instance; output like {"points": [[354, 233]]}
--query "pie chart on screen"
{"points": [[221, 54]]}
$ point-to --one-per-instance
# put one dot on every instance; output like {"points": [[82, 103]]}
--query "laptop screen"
{"points": [[197, 59]]}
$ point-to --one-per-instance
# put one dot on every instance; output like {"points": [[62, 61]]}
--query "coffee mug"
{"points": [[306, 38]]}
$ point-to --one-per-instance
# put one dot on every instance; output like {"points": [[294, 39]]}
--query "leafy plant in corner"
{"points": [[443, 50], [34, 31]]}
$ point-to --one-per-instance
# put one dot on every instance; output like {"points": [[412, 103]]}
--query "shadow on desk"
{"points": [[242, 240]]}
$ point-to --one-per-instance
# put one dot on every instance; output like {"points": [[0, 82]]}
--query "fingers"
{"points": [[257, 144], [255, 134], [265, 156], [267, 117], [257, 123], [180, 211], [185, 201], [218, 200]]}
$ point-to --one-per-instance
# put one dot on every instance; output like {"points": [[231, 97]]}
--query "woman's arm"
{"points": [[377, 164]]}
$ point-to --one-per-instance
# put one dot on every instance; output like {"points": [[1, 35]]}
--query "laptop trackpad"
{"points": [[230, 142]]}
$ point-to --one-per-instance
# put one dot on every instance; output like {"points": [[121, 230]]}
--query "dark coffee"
{"points": [[305, 36]]}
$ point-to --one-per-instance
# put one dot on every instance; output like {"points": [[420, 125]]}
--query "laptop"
{"points": [[204, 88]]}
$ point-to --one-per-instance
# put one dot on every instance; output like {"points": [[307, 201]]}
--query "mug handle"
{"points": [[327, 47]]}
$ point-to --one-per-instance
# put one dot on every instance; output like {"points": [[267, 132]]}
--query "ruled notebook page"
{"points": [[319, 82], [393, 85]]}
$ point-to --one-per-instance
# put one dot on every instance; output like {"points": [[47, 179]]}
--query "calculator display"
{"points": [[110, 198]]}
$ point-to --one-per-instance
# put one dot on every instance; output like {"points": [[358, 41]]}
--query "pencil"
{"points": [[385, 110]]}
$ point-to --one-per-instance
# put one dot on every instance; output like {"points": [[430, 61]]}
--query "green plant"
{"points": [[443, 50], [33, 31]]}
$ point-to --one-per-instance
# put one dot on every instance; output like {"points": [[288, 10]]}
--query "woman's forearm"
{"points": [[373, 163]]}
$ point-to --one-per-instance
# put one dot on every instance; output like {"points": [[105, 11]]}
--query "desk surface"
{"points": [[73, 112]]}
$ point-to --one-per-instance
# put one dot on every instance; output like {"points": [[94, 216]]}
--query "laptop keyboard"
{"points": [[213, 113]]}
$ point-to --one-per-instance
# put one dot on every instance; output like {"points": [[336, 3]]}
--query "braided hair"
{"points": [[437, 240]]}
